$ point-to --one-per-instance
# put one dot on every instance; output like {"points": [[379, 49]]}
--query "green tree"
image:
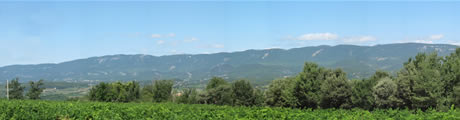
{"points": [[162, 90], [258, 99], [188, 96], [362, 90], [451, 78], [115, 92], [147, 93], [280, 93], [220, 95], [35, 89], [307, 89], [242, 93], [134, 91], [455, 95], [204, 98], [215, 82], [218, 92], [336, 91], [99, 92], [120, 91], [419, 83], [385, 93], [15, 89]]}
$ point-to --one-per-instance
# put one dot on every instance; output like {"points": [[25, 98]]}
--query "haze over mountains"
{"points": [[258, 66]]}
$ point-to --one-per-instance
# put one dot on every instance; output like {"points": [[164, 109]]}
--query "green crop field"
{"points": [[32, 110]]}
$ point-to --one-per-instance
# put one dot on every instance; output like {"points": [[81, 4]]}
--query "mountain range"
{"points": [[258, 66]]}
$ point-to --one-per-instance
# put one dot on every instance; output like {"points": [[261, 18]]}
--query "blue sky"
{"points": [[53, 32]]}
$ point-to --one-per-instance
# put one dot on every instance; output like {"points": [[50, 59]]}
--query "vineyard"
{"points": [[31, 110]]}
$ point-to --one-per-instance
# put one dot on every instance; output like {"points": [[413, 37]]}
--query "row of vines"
{"points": [[46, 110]]}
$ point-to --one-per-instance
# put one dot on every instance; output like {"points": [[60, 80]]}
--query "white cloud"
{"points": [[165, 35], [173, 51], [317, 36], [274, 47], [428, 40], [171, 35], [423, 41], [359, 39], [159, 42], [454, 42], [156, 36], [191, 39], [217, 46], [436, 37]]}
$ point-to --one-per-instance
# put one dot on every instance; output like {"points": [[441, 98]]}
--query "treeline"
{"points": [[115, 92], [16, 90], [218, 91], [425, 81]]}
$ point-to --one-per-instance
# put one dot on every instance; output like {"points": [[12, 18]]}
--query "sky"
{"points": [[33, 32]]}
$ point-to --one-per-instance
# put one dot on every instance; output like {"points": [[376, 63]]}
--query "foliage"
{"points": [[419, 82], [218, 91], [115, 92], [258, 99], [47, 110], [188, 96], [307, 89], [362, 90], [221, 95], [385, 93], [147, 93], [451, 77], [318, 86], [16, 91], [215, 82], [336, 90], [280, 93], [162, 90], [35, 89], [242, 93]]}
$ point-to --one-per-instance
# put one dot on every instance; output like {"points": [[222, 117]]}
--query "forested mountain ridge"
{"points": [[258, 66]]}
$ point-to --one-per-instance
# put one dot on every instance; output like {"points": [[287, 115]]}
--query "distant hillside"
{"points": [[259, 66]]}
